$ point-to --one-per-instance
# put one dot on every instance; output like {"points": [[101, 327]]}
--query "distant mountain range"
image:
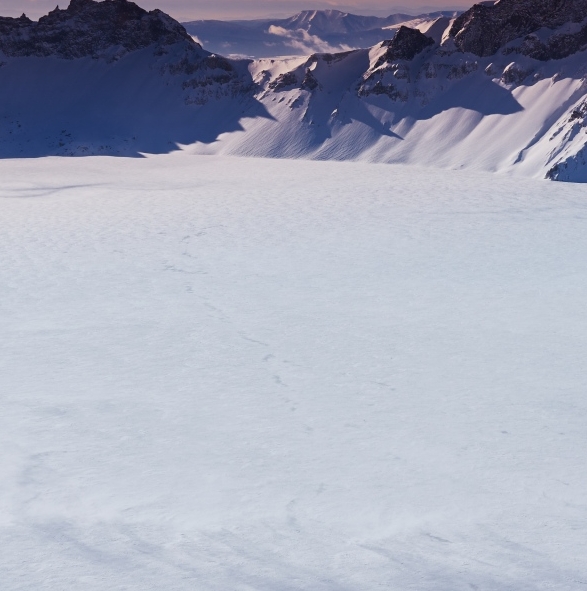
{"points": [[307, 32], [501, 87]]}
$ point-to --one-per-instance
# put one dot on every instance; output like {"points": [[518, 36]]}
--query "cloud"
{"points": [[302, 40]]}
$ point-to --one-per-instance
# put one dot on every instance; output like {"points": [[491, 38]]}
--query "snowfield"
{"points": [[236, 374]]}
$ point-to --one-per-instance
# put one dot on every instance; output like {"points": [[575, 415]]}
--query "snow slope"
{"points": [[139, 103], [221, 373], [446, 111]]}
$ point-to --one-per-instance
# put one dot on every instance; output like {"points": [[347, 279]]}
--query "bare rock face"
{"points": [[556, 47], [485, 29], [89, 28], [285, 81], [514, 74], [406, 45], [390, 75], [309, 82]]}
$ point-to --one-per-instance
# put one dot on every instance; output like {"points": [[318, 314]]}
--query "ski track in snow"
{"points": [[222, 373]]}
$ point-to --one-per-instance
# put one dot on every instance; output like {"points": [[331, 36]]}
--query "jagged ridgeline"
{"points": [[487, 27], [89, 28], [498, 87], [110, 78], [307, 32]]}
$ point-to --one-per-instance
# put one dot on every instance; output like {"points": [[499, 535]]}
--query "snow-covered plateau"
{"points": [[222, 373]]}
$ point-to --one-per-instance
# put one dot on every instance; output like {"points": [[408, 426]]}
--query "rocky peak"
{"points": [[79, 5], [390, 75], [487, 27], [406, 45], [90, 28]]}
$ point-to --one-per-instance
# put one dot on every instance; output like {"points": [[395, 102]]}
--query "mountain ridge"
{"points": [[303, 33], [413, 98], [485, 28], [88, 28]]}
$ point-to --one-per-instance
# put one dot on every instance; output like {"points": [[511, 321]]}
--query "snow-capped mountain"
{"points": [[110, 78], [454, 98], [88, 29], [413, 100], [307, 32], [500, 87]]}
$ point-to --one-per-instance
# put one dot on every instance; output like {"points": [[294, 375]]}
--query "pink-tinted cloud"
{"points": [[230, 9]]}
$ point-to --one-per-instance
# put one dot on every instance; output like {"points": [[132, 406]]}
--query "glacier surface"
{"points": [[227, 373]]}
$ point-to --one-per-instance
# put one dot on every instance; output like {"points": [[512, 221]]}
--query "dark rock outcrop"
{"points": [[284, 81], [390, 75], [485, 29], [309, 82], [558, 46], [406, 45], [89, 28]]}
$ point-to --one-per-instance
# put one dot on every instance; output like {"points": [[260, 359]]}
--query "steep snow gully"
{"points": [[501, 87]]}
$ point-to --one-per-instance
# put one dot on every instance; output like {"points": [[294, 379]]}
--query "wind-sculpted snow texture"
{"points": [[498, 88], [229, 374]]}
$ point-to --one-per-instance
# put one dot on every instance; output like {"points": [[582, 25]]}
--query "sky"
{"points": [[232, 9]]}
